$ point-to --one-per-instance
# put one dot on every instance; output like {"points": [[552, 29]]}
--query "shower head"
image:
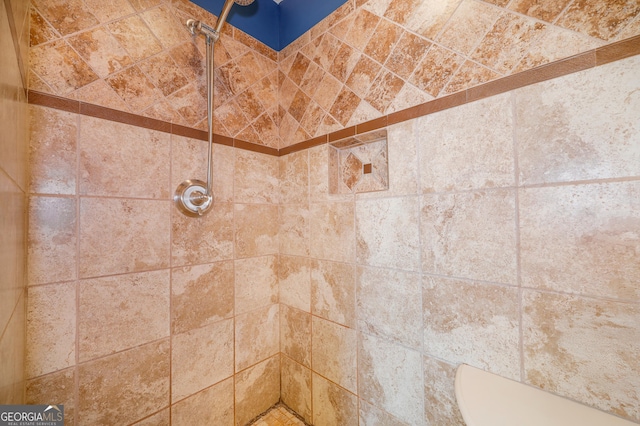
{"points": [[225, 11]]}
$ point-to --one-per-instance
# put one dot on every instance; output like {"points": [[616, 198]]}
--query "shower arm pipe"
{"points": [[211, 36], [210, 82]]}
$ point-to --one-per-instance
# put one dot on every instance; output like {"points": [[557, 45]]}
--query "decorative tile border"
{"points": [[590, 59]]}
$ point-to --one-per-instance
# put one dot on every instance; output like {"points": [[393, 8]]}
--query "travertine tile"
{"points": [[56, 388], [256, 178], [256, 336], [40, 31], [294, 229], [295, 382], [135, 37], [12, 247], [474, 323], [546, 10], [189, 161], [165, 27], [509, 39], [555, 44], [390, 377], [468, 25], [364, 25], [294, 178], [388, 305], [332, 231], [425, 18], [212, 406], [134, 87], [160, 418], [333, 292], [295, 335], [200, 358], [436, 69], [363, 75], [334, 353], [332, 405], [100, 93], [108, 11], [257, 389], [256, 232], [256, 283], [165, 75], [387, 232], [470, 74], [52, 157], [142, 374], [203, 239], [588, 118], [383, 91], [598, 19], [201, 295], [299, 105], [294, 282], [122, 235], [477, 155], [60, 67], [370, 415], [594, 232], [111, 155], [440, 405], [52, 239], [382, 41], [344, 106], [471, 235], [328, 90], [407, 53], [585, 349], [13, 348], [101, 51], [121, 312], [66, 16]]}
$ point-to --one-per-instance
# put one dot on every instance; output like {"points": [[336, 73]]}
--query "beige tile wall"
{"points": [[14, 121], [508, 242], [157, 316], [451, 264]]}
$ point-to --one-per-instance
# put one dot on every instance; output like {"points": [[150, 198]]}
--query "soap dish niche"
{"points": [[359, 164]]}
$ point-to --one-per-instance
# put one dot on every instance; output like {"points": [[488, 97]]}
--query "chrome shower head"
{"points": [[225, 11]]}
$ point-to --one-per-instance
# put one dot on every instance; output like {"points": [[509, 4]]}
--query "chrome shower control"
{"points": [[191, 198]]}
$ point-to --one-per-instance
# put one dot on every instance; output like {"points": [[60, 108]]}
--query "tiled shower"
{"points": [[507, 238]]}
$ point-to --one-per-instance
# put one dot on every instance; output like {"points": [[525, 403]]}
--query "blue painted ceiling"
{"points": [[275, 24]]}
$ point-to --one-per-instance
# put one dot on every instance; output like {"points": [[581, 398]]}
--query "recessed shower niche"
{"points": [[359, 163]]}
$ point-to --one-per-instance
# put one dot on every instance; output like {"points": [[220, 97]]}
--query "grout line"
{"points": [[516, 180]]}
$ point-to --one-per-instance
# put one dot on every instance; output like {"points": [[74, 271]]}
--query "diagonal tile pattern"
{"points": [[388, 55], [367, 59], [137, 56]]}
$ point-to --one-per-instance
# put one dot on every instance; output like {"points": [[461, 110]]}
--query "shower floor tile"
{"points": [[279, 415]]}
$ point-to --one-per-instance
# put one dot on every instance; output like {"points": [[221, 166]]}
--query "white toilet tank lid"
{"points": [[486, 399]]}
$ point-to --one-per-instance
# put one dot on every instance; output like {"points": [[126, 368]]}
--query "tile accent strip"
{"points": [[583, 61]]}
